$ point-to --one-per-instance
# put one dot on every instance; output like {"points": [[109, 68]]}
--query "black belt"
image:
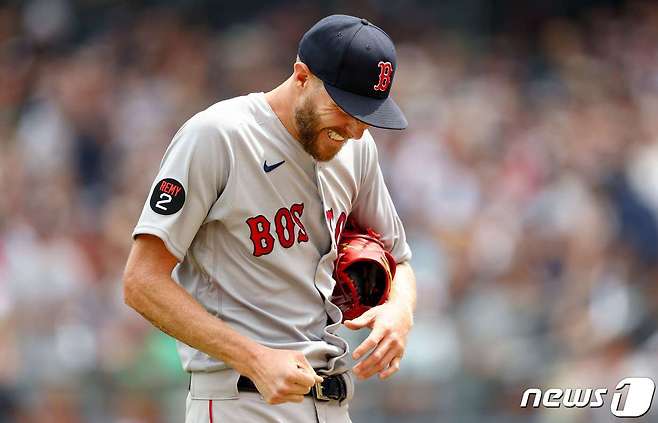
{"points": [[331, 388]]}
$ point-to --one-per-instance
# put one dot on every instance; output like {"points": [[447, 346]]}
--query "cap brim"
{"points": [[380, 113]]}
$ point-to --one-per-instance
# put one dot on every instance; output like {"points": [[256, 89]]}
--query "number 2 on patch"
{"points": [[166, 198]]}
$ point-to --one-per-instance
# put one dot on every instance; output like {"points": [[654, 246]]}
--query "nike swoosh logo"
{"points": [[267, 168]]}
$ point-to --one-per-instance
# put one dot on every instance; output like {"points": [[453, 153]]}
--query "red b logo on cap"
{"points": [[385, 71]]}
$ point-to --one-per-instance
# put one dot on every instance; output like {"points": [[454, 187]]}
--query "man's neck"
{"points": [[281, 103]]}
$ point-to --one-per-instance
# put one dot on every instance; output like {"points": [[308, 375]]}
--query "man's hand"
{"points": [[390, 324], [282, 375]]}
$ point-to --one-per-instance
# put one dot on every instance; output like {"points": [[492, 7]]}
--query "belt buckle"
{"points": [[318, 392]]}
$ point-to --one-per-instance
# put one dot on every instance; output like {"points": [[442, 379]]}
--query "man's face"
{"points": [[323, 127]]}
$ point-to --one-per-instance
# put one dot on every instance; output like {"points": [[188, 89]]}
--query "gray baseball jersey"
{"points": [[253, 220]]}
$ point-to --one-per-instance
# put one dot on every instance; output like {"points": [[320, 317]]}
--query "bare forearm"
{"points": [[171, 309], [280, 375], [403, 289]]}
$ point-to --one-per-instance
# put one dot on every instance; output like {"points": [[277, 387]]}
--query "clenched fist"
{"points": [[282, 375]]}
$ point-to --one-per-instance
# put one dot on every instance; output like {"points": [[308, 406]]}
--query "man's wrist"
{"points": [[249, 357], [403, 302], [404, 305]]}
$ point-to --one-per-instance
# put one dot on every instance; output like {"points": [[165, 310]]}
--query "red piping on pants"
{"points": [[210, 411]]}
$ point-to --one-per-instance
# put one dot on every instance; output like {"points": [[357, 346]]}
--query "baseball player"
{"points": [[234, 252]]}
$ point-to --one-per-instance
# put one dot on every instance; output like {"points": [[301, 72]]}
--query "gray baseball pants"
{"points": [[214, 398]]}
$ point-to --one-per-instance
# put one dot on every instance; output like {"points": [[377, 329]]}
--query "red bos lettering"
{"points": [[260, 235], [297, 210], [286, 223]]}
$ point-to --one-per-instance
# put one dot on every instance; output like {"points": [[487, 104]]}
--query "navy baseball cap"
{"points": [[356, 62]]}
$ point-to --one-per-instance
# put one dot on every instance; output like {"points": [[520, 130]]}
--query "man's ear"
{"points": [[301, 75]]}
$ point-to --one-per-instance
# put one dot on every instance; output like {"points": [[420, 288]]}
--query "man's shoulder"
{"points": [[228, 114], [215, 124]]}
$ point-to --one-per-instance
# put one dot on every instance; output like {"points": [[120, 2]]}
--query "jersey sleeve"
{"points": [[192, 175], [374, 208]]}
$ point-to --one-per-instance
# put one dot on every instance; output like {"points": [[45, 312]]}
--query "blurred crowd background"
{"points": [[527, 181]]}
